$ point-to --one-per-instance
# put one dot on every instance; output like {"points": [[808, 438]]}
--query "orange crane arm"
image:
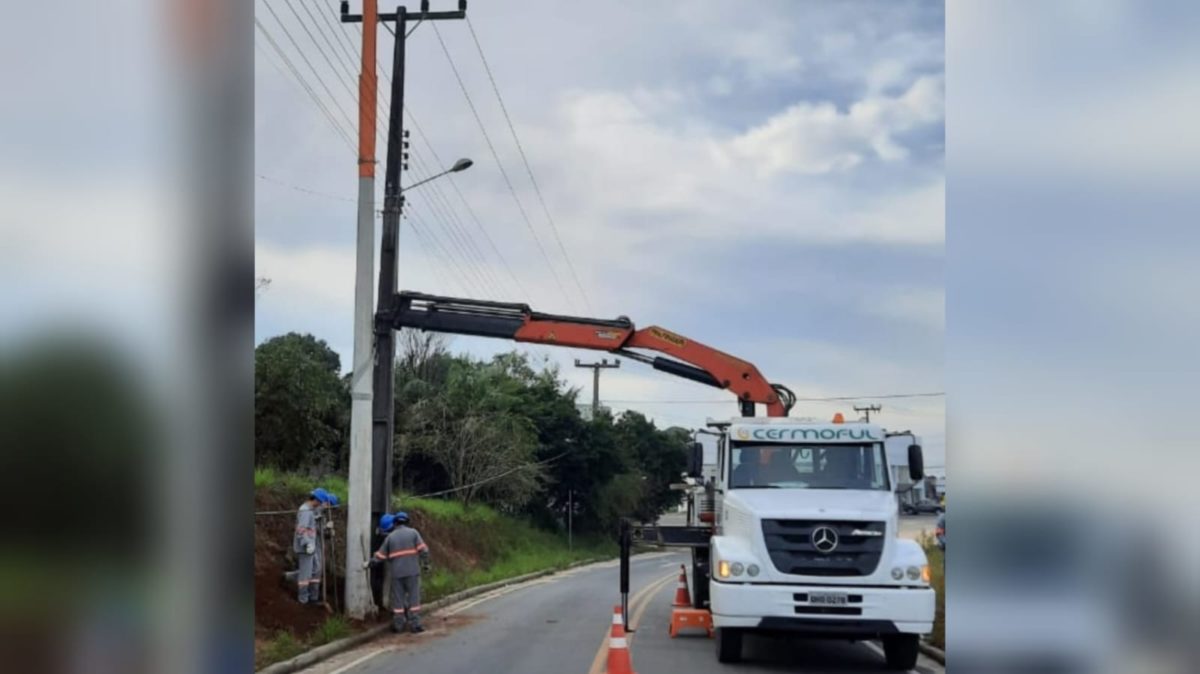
{"points": [[688, 358]]}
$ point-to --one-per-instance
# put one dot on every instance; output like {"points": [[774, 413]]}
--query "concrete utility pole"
{"points": [[383, 385], [867, 410], [358, 505], [596, 367]]}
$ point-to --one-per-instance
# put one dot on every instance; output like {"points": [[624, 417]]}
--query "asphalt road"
{"points": [[560, 625]]}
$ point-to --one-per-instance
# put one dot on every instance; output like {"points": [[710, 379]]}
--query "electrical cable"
{"points": [[311, 67], [528, 169], [503, 172], [302, 81]]}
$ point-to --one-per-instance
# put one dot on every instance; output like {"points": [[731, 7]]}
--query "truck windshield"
{"points": [[808, 467]]}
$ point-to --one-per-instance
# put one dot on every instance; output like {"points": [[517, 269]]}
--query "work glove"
{"points": [[309, 548], [426, 566]]}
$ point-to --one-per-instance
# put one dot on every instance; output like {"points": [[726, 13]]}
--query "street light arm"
{"points": [[460, 165], [422, 182]]}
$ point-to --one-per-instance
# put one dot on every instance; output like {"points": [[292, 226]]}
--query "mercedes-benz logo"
{"points": [[824, 539]]}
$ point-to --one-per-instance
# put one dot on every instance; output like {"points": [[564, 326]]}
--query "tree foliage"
{"points": [[504, 431], [301, 405]]}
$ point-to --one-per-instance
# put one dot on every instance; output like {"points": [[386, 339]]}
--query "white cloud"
{"points": [[816, 138]]}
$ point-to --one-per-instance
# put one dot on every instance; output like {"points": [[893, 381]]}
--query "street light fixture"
{"points": [[460, 165]]}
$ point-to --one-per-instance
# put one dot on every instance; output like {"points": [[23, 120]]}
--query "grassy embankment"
{"points": [[470, 546]]}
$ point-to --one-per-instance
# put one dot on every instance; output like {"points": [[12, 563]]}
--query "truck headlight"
{"points": [[914, 573], [752, 570], [738, 569], [897, 573]]}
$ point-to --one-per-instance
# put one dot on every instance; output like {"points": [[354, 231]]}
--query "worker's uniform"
{"points": [[308, 552], [405, 553]]}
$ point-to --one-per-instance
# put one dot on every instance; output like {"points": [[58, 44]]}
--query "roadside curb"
{"points": [[326, 651], [932, 651]]}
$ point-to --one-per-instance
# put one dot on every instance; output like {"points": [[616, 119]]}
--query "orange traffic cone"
{"points": [[681, 590], [619, 661]]}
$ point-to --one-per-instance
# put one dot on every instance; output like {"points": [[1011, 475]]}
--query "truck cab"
{"points": [[805, 539]]}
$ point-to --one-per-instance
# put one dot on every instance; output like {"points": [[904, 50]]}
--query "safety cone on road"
{"points": [[681, 590], [619, 661]]}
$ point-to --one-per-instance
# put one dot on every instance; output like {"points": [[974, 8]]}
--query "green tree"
{"points": [[660, 457], [301, 405], [472, 427]]}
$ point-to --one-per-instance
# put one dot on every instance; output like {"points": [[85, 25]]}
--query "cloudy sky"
{"points": [[766, 178]]}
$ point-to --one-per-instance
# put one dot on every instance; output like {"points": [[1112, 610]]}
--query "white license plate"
{"points": [[828, 598]]}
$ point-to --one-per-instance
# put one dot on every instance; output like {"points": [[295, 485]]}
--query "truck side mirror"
{"points": [[695, 466], [916, 463]]}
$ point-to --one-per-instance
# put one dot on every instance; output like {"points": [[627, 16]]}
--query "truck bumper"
{"points": [[873, 611]]}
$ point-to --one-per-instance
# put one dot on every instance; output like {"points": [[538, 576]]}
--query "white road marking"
{"points": [[352, 665]]}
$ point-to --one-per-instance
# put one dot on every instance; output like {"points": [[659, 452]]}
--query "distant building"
{"points": [[932, 488]]}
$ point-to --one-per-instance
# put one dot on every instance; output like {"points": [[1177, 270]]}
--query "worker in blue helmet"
{"points": [[386, 523], [407, 555], [304, 544]]}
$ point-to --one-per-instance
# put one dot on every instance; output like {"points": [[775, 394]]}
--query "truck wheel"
{"points": [[901, 651], [729, 644]]}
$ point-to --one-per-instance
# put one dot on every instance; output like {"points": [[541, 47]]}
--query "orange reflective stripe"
{"points": [[415, 608], [402, 553], [397, 610], [422, 547], [380, 555]]}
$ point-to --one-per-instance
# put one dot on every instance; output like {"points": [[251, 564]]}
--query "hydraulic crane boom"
{"points": [[688, 358]]}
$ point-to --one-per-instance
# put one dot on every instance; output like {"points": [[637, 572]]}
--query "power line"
{"points": [[339, 35], [324, 36], [453, 183], [440, 212], [524, 466], [437, 199], [528, 169], [305, 190], [504, 173], [311, 67], [470, 211], [303, 82], [414, 216]]}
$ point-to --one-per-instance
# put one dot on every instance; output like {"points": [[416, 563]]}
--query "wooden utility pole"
{"points": [[596, 367], [867, 410]]}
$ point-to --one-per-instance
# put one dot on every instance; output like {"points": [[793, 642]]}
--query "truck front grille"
{"points": [[790, 544]]}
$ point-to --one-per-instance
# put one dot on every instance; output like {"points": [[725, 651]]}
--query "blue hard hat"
{"points": [[387, 522], [318, 494], [401, 517], [332, 499]]}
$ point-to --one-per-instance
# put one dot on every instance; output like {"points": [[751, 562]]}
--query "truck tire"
{"points": [[729, 644], [901, 651], [699, 579]]}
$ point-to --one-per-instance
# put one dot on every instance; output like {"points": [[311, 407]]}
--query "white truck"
{"points": [[804, 539], [799, 525]]}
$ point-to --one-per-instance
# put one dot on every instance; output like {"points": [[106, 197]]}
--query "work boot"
{"points": [[398, 626], [417, 629]]}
